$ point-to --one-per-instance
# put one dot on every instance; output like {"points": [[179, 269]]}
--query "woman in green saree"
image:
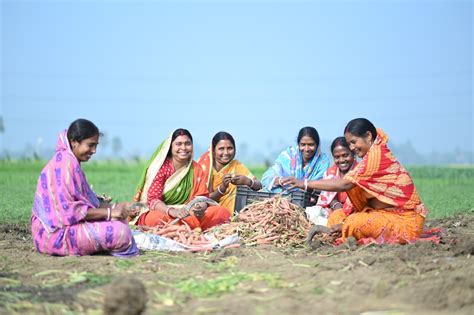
{"points": [[170, 181]]}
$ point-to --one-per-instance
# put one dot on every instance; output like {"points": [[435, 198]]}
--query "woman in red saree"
{"points": [[329, 201], [344, 161], [170, 181], [384, 206]]}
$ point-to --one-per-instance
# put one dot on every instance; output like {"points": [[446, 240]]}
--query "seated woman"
{"points": [[303, 161], [329, 201], [223, 173], [67, 217], [173, 179], [383, 206]]}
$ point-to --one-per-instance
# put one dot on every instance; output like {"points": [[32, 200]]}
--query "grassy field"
{"points": [[420, 278], [445, 190]]}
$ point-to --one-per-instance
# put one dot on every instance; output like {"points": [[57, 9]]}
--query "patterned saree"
{"points": [[379, 175], [290, 163]]}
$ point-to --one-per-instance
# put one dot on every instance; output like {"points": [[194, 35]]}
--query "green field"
{"points": [[445, 190]]}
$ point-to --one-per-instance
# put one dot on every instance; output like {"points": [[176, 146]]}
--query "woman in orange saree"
{"points": [[170, 181], [383, 206], [223, 173]]}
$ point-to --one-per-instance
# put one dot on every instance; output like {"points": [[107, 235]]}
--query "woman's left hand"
{"points": [[199, 209], [291, 182], [239, 180]]}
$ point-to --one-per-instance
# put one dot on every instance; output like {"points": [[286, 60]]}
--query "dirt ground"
{"points": [[422, 278]]}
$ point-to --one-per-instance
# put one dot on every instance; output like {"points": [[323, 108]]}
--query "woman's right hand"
{"points": [[226, 180], [178, 213], [121, 211], [336, 228]]}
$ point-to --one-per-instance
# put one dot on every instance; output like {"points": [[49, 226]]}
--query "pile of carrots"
{"points": [[272, 221], [193, 240]]}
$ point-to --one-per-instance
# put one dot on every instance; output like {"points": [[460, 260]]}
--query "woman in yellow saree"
{"points": [[170, 181], [223, 173], [384, 206]]}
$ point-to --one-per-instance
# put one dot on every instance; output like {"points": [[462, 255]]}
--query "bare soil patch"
{"points": [[421, 278]]}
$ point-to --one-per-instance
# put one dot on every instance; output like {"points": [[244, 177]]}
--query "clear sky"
{"points": [[258, 69]]}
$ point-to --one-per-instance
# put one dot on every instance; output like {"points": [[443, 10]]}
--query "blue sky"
{"points": [[258, 69]]}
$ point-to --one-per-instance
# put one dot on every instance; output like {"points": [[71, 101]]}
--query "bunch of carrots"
{"points": [[272, 221], [193, 240]]}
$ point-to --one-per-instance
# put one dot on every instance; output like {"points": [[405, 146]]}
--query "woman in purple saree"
{"points": [[67, 217]]}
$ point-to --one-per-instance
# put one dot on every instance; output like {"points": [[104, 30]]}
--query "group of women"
{"points": [[374, 199]]}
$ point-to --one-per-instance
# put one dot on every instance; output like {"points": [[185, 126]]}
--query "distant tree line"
{"points": [[111, 148]]}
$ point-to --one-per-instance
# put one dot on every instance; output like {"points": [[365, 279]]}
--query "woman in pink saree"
{"points": [[67, 217]]}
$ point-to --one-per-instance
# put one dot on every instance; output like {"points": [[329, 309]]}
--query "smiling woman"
{"points": [[383, 204], [170, 181], [302, 161], [223, 173], [67, 217], [330, 201]]}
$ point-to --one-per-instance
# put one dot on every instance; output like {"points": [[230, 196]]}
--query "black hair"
{"points": [[340, 141], [181, 132], [359, 127], [81, 129], [310, 132], [222, 135]]}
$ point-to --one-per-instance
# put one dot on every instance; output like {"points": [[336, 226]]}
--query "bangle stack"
{"points": [[305, 184], [252, 183], [168, 212]]}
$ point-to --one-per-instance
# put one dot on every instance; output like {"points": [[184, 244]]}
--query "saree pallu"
{"points": [[214, 178], [290, 163], [177, 187], [379, 175], [60, 206]]}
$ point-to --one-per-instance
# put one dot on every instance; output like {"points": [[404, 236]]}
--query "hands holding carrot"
{"points": [[226, 180], [177, 213], [289, 182], [240, 180], [199, 209]]}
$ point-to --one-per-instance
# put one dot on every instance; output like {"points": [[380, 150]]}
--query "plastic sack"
{"points": [[317, 214], [148, 241]]}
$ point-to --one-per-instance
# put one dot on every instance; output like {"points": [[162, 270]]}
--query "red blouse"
{"points": [[155, 192]]}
